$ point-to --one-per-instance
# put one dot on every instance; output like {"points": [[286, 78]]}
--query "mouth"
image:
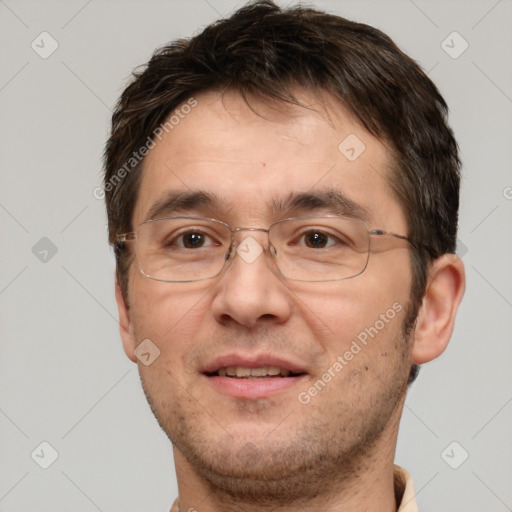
{"points": [[252, 377], [264, 372]]}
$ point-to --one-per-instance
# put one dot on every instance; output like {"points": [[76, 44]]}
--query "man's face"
{"points": [[252, 317]]}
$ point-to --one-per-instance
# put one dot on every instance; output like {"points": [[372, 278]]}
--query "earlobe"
{"points": [[125, 324], [436, 318]]}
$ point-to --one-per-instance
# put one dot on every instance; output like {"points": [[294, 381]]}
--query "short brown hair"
{"points": [[266, 51]]}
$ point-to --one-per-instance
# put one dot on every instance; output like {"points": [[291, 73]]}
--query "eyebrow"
{"points": [[328, 201], [181, 203]]}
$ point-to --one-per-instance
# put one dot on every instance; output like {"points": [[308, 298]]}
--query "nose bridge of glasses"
{"points": [[236, 230], [238, 241]]}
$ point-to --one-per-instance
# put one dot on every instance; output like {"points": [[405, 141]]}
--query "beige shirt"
{"points": [[408, 499], [404, 491]]}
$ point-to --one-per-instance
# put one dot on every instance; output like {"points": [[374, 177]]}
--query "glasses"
{"points": [[188, 249]]}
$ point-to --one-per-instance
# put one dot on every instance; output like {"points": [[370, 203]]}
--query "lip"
{"points": [[252, 388], [252, 361]]}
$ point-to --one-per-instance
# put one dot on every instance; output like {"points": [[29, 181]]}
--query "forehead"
{"points": [[250, 161]]}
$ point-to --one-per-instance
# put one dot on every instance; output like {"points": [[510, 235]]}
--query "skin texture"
{"points": [[275, 453]]}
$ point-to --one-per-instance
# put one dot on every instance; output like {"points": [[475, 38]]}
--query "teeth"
{"points": [[241, 372]]}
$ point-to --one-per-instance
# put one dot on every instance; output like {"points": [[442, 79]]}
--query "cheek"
{"points": [[169, 314], [359, 318], [388, 278], [348, 306]]}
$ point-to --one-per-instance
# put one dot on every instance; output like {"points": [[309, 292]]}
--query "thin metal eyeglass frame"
{"points": [[132, 237]]}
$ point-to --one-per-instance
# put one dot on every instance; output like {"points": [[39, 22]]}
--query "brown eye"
{"points": [[193, 240], [315, 239]]}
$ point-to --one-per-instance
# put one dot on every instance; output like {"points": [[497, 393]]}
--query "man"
{"points": [[282, 195]]}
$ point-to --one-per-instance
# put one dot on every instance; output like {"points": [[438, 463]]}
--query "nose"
{"points": [[251, 291]]}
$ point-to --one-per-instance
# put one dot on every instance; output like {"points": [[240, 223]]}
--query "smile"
{"points": [[240, 372]]}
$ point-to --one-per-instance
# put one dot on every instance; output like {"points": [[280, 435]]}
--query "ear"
{"points": [[125, 324], [436, 318]]}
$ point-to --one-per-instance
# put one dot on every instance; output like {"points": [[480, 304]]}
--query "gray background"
{"points": [[64, 378]]}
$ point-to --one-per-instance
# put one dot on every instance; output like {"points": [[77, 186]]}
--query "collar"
{"points": [[406, 498]]}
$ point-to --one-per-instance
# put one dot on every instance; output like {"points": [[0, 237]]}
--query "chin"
{"points": [[259, 474]]}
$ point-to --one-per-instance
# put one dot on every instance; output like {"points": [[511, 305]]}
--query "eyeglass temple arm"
{"points": [[124, 237], [380, 232]]}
